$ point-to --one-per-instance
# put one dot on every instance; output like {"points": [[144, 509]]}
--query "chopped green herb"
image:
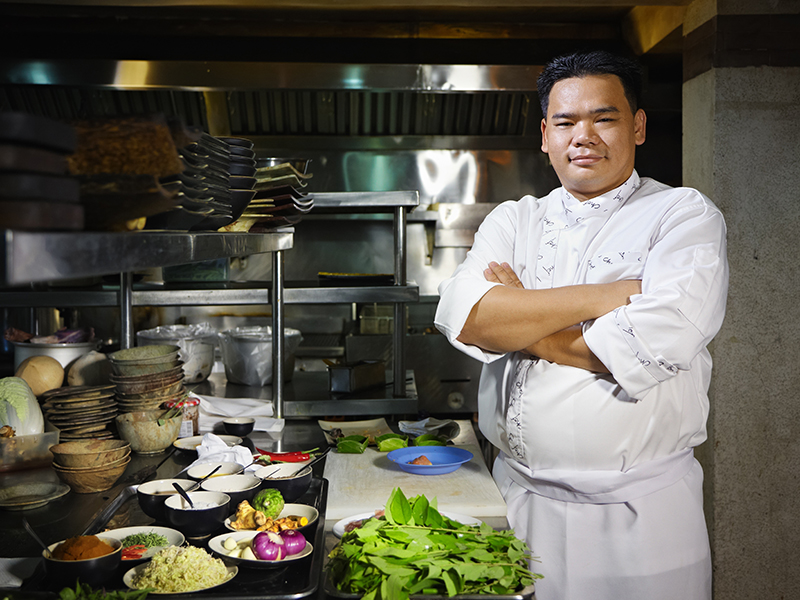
{"points": [[148, 540]]}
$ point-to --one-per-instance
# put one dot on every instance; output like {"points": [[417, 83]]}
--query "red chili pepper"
{"points": [[286, 456], [133, 552]]}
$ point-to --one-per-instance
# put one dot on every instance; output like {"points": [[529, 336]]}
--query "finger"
{"points": [[489, 275], [509, 277]]}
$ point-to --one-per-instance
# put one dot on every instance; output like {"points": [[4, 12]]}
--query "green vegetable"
{"points": [[19, 407], [84, 591], [414, 549], [148, 540], [430, 439], [352, 444], [391, 441], [269, 502]]}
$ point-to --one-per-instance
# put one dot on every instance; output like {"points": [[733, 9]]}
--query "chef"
{"points": [[591, 309]]}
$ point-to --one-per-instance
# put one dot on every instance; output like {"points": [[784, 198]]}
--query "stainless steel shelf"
{"points": [[31, 257], [340, 202], [209, 295], [307, 395]]}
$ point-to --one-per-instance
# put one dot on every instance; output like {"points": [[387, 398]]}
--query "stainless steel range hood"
{"points": [[284, 99]]}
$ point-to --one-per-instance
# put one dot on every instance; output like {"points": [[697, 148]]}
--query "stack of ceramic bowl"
{"points": [[81, 412], [89, 466], [146, 377]]}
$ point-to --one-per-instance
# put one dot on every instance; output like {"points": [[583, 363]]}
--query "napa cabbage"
{"points": [[19, 407]]}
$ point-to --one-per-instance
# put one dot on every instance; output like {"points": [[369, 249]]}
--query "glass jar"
{"points": [[191, 416]]}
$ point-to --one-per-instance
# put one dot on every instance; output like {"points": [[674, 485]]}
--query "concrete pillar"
{"points": [[741, 139]]}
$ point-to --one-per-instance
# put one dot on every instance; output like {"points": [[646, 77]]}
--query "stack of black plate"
{"points": [[35, 191], [278, 200], [218, 177]]}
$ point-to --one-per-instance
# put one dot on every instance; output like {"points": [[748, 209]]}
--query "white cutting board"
{"points": [[359, 483]]}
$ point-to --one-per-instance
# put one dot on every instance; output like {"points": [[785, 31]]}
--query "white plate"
{"points": [[299, 510], [191, 443], [216, 547], [175, 538], [127, 579], [338, 529]]}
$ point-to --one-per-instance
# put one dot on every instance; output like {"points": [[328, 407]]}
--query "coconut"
{"points": [[93, 368], [41, 373]]}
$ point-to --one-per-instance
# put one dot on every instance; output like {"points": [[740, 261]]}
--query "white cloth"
{"points": [[214, 409], [561, 419], [213, 449]]}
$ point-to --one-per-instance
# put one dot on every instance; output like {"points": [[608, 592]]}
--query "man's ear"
{"points": [[639, 127], [544, 136]]}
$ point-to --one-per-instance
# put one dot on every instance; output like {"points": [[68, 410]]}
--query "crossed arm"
{"points": [[544, 323]]}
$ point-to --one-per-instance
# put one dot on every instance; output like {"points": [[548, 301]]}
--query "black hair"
{"points": [[582, 64]]}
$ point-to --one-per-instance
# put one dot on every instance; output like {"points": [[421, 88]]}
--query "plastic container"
{"points": [[27, 451], [196, 343], [376, 319], [247, 354], [191, 416], [65, 353]]}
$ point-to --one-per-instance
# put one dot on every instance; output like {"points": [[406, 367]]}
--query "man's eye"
{"points": [[563, 124]]}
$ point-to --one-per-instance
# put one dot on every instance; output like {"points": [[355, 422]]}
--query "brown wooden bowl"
{"points": [[89, 453]]}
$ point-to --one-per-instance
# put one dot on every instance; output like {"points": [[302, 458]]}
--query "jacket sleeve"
{"points": [[494, 241], [680, 309]]}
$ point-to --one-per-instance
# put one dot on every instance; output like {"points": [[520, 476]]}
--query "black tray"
{"points": [[300, 580]]}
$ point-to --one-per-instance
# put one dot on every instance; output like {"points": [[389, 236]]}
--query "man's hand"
{"points": [[502, 273]]}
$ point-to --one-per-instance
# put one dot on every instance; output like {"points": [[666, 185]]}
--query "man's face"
{"points": [[591, 135]]}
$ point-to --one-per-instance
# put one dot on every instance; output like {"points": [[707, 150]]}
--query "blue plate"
{"points": [[445, 459]]}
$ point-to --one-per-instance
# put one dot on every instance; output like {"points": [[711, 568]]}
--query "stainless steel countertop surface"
{"points": [[74, 514]]}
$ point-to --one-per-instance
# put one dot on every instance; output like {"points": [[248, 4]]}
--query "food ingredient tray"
{"points": [[300, 579]]}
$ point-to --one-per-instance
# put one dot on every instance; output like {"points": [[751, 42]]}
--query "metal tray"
{"points": [[299, 580]]}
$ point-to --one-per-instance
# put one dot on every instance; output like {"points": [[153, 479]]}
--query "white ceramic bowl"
{"points": [[226, 468], [239, 487]]}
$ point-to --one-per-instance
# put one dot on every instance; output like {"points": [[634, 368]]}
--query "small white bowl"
{"points": [[226, 468], [239, 487]]}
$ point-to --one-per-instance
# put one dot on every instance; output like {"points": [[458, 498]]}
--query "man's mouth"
{"points": [[585, 160]]}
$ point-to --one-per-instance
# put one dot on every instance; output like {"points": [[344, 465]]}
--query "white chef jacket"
{"points": [[597, 469]]}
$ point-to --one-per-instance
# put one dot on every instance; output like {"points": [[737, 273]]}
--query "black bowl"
{"points": [[239, 426], [237, 141], [241, 183], [237, 169], [152, 494], [93, 571], [292, 486], [198, 522], [239, 201]]}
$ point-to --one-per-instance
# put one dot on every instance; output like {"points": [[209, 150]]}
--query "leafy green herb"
{"points": [[414, 549], [352, 444], [391, 441], [430, 439], [84, 591]]}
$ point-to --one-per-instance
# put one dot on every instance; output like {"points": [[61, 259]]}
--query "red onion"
{"points": [[268, 546], [294, 542]]}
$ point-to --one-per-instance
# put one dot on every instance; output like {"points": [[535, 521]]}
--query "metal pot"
{"points": [[65, 354]]}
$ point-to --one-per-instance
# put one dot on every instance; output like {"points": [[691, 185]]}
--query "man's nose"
{"points": [[584, 134]]}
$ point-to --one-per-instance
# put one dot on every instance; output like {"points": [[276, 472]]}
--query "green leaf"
{"points": [[352, 444], [430, 439], [389, 444], [397, 509]]}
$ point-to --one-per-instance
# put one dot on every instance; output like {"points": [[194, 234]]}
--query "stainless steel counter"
{"points": [[77, 514]]}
